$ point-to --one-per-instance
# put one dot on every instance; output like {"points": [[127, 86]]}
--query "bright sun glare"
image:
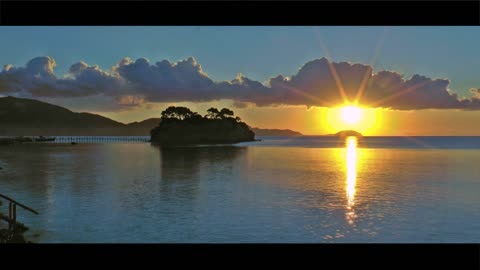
{"points": [[351, 114], [350, 117]]}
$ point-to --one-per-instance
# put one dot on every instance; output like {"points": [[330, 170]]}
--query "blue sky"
{"points": [[257, 52]]}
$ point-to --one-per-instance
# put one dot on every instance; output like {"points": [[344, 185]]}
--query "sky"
{"points": [[272, 77]]}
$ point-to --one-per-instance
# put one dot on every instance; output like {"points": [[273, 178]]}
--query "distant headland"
{"points": [[179, 125], [275, 132], [29, 117]]}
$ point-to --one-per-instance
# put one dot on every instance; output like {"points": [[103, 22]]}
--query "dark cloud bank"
{"points": [[317, 83]]}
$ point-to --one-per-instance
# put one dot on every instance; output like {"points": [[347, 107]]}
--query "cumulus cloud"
{"points": [[475, 92], [321, 83], [38, 79], [131, 101], [165, 81], [317, 83]]}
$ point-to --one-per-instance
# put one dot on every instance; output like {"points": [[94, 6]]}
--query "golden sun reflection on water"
{"points": [[351, 162]]}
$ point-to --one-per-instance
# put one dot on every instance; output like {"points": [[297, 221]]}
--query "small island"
{"points": [[348, 133], [181, 126]]}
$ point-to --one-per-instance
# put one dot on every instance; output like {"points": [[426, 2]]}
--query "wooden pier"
{"points": [[80, 139], [102, 139]]}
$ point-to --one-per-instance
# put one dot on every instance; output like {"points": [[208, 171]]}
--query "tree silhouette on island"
{"points": [[180, 125]]}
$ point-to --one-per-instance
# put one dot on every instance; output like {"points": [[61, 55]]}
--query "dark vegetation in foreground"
{"points": [[12, 236], [179, 125], [15, 237], [14, 233]]}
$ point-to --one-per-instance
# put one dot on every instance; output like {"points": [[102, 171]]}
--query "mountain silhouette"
{"points": [[28, 117], [144, 127], [23, 112]]}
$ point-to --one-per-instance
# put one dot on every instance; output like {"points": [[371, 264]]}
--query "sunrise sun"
{"points": [[351, 114], [350, 117]]}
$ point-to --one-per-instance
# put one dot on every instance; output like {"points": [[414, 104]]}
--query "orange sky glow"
{"points": [[322, 120]]}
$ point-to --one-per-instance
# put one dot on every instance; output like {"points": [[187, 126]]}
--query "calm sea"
{"points": [[281, 189]]}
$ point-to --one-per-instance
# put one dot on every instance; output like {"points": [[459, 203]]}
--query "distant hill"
{"points": [[20, 116], [22, 112], [144, 126], [275, 132], [28, 117]]}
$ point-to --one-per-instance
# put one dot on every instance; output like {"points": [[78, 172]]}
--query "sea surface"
{"points": [[308, 189]]}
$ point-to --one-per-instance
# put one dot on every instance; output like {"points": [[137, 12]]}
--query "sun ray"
{"points": [[369, 71], [315, 99], [338, 82], [333, 71], [363, 85], [398, 94]]}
